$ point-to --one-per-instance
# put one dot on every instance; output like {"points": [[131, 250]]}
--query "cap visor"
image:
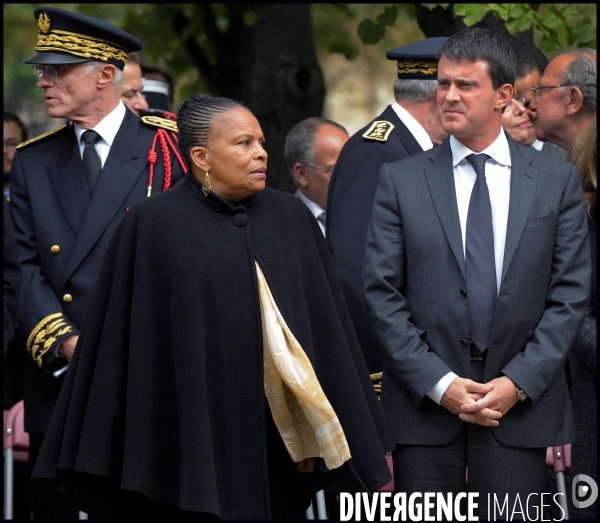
{"points": [[51, 58]]}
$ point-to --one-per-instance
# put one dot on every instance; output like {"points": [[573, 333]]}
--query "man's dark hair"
{"points": [[9, 116], [300, 141], [475, 44], [529, 57]]}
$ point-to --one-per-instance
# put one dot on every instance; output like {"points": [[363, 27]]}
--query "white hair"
{"points": [[95, 65]]}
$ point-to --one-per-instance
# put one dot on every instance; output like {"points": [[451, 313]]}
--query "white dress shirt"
{"points": [[497, 175], [107, 128], [315, 208], [537, 145], [415, 128]]}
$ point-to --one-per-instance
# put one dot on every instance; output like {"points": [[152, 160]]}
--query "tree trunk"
{"points": [[266, 60]]}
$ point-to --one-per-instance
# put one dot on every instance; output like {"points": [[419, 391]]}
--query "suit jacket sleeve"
{"points": [[406, 355], [567, 298], [43, 318]]}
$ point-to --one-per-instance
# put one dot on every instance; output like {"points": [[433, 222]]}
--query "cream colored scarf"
{"points": [[304, 417]]}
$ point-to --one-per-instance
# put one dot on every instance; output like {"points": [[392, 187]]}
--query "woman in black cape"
{"points": [[163, 413]]}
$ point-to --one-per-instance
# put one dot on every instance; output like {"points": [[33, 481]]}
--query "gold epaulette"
{"points": [[40, 137], [380, 130], [163, 123], [46, 334], [376, 379]]}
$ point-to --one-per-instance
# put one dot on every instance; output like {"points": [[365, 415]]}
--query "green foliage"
{"points": [[560, 25], [372, 31], [331, 25]]}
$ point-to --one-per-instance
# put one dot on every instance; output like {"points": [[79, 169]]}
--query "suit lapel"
{"points": [[440, 180], [68, 182], [121, 171], [523, 181], [402, 131]]}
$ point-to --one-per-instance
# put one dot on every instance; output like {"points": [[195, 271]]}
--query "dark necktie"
{"points": [[480, 261], [322, 219], [91, 159]]}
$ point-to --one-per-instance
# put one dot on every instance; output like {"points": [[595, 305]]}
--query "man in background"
{"points": [[408, 126], [133, 85], [311, 150], [15, 133], [565, 99], [531, 64]]}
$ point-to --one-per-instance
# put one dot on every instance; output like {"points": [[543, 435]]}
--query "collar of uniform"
{"points": [[498, 150], [315, 208], [415, 128], [108, 127]]}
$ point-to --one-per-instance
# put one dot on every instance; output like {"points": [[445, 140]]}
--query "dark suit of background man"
{"points": [[63, 217], [408, 126], [493, 405]]}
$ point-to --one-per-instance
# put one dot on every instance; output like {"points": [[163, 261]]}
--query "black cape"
{"points": [[165, 395]]}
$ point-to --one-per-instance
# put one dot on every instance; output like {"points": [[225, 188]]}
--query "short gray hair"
{"points": [[416, 91], [581, 72], [300, 141], [94, 65]]}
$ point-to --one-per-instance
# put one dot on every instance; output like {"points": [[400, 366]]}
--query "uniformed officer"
{"points": [[69, 189], [408, 126]]}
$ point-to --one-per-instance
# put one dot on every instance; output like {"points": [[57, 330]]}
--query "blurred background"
{"points": [[286, 61]]}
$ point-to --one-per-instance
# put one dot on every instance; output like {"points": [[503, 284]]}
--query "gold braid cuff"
{"points": [[376, 379], [46, 333], [417, 67], [81, 45]]}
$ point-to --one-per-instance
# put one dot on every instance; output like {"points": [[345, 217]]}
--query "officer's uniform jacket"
{"points": [[62, 233], [349, 202]]}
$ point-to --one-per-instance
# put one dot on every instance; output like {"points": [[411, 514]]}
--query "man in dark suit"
{"points": [[476, 273], [69, 189], [406, 127]]}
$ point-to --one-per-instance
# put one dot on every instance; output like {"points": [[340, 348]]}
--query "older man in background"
{"points": [[133, 85], [311, 150], [565, 99]]}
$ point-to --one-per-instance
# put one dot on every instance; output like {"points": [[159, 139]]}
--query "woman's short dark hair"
{"points": [[475, 44], [195, 119]]}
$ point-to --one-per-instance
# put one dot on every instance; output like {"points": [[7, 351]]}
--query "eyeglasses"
{"points": [[329, 172], [520, 97], [52, 72], [537, 91]]}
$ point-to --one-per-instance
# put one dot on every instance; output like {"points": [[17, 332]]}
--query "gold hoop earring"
{"points": [[206, 190]]}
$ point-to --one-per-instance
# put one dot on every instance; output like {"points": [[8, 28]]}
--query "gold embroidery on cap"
{"points": [[417, 67], [80, 45], [380, 130], [44, 23]]}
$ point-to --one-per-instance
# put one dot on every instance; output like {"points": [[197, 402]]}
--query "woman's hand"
{"points": [[306, 465]]}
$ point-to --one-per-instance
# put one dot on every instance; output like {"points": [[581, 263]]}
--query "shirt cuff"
{"points": [[437, 391]]}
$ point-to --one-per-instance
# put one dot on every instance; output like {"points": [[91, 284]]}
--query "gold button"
{"points": [[55, 249], [67, 298]]}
